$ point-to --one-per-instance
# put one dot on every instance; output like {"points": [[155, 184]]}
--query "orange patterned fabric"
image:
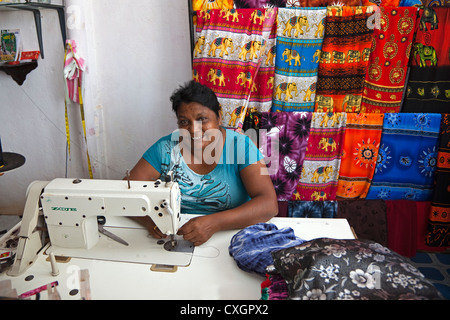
{"points": [[359, 158], [212, 4], [343, 64]]}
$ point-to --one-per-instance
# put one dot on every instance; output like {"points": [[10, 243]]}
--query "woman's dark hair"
{"points": [[193, 91]]}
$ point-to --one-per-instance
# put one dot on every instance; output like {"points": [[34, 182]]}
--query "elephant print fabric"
{"points": [[300, 34], [320, 172], [388, 62], [286, 133], [359, 154], [344, 58], [428, 88], [234, 56]]}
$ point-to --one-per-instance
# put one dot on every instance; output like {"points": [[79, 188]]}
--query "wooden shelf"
{"points": [[35, 9]]}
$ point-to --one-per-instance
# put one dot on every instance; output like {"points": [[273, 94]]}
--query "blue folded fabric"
{"points": [[251, 247]]}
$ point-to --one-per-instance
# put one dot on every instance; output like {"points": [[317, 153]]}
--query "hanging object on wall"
{"points": [[231, 56], [388, 62], [287, 133], [10, 160], [428, 88], [300, 34], [211, 4], [74, 66], [344, 58], [404, 172], [439, 218], [359, 155], [320, 172]]}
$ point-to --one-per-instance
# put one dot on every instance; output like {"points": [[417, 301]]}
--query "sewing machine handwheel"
{"points": [[101, 220]]}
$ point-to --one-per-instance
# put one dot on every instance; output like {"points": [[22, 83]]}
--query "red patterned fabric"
{"points": [[388, 61], [232, 57], [320, 170]]}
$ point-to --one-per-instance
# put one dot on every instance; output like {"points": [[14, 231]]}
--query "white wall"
{"points": [[137, 53]]}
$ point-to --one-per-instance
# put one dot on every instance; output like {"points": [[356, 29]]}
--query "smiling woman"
{"points": [[221, 173]]}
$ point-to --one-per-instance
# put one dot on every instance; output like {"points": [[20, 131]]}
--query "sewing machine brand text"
{"points": [[63, 209]]}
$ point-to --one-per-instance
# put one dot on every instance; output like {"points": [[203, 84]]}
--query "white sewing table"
{"points": [[212, 274]]}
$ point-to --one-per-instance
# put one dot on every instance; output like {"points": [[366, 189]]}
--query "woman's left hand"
{"points": [[198, 230]]}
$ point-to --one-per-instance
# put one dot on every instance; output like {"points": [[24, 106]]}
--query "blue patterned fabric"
{"points": [[297, 58], [312, 209], [251, 247], [406, 157]]}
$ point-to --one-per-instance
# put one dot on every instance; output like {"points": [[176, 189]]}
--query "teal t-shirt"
{"points": [[220, 189]]}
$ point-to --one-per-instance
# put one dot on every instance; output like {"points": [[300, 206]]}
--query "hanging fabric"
{"points": [[300, 34], [439, 217], [312, 209], [320, 170], [74, 66], [388, 62], [325, 3], [360, 152], [407, 157], [211, 4], [344, 57], [402, 226], [284, 146], [428, 88], [231, 47]]}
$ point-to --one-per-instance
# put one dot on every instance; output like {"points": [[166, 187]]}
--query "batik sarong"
{"points": [[407, 157], [320, 170], [344, 57], [312, 209], [428, 87], [283, 141], [367, 218], [300, 34], [439, 218], [231, 46], [358, 162], [388, 62]]}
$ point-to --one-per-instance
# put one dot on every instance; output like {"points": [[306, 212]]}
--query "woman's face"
{"points": [[201, 125]]}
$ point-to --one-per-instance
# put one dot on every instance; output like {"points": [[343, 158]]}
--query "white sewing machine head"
{"points": [[71, 206]]}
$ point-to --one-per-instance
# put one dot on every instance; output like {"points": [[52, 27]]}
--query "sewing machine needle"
{"points": [[173, 241]]}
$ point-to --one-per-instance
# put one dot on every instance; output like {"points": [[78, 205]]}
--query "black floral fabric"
{"points": [[332, 269]]}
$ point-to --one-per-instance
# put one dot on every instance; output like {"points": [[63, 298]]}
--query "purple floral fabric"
{"points": [[283, 143]]}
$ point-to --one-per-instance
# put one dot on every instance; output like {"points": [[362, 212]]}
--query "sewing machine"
{"points": [[71, 209]]}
